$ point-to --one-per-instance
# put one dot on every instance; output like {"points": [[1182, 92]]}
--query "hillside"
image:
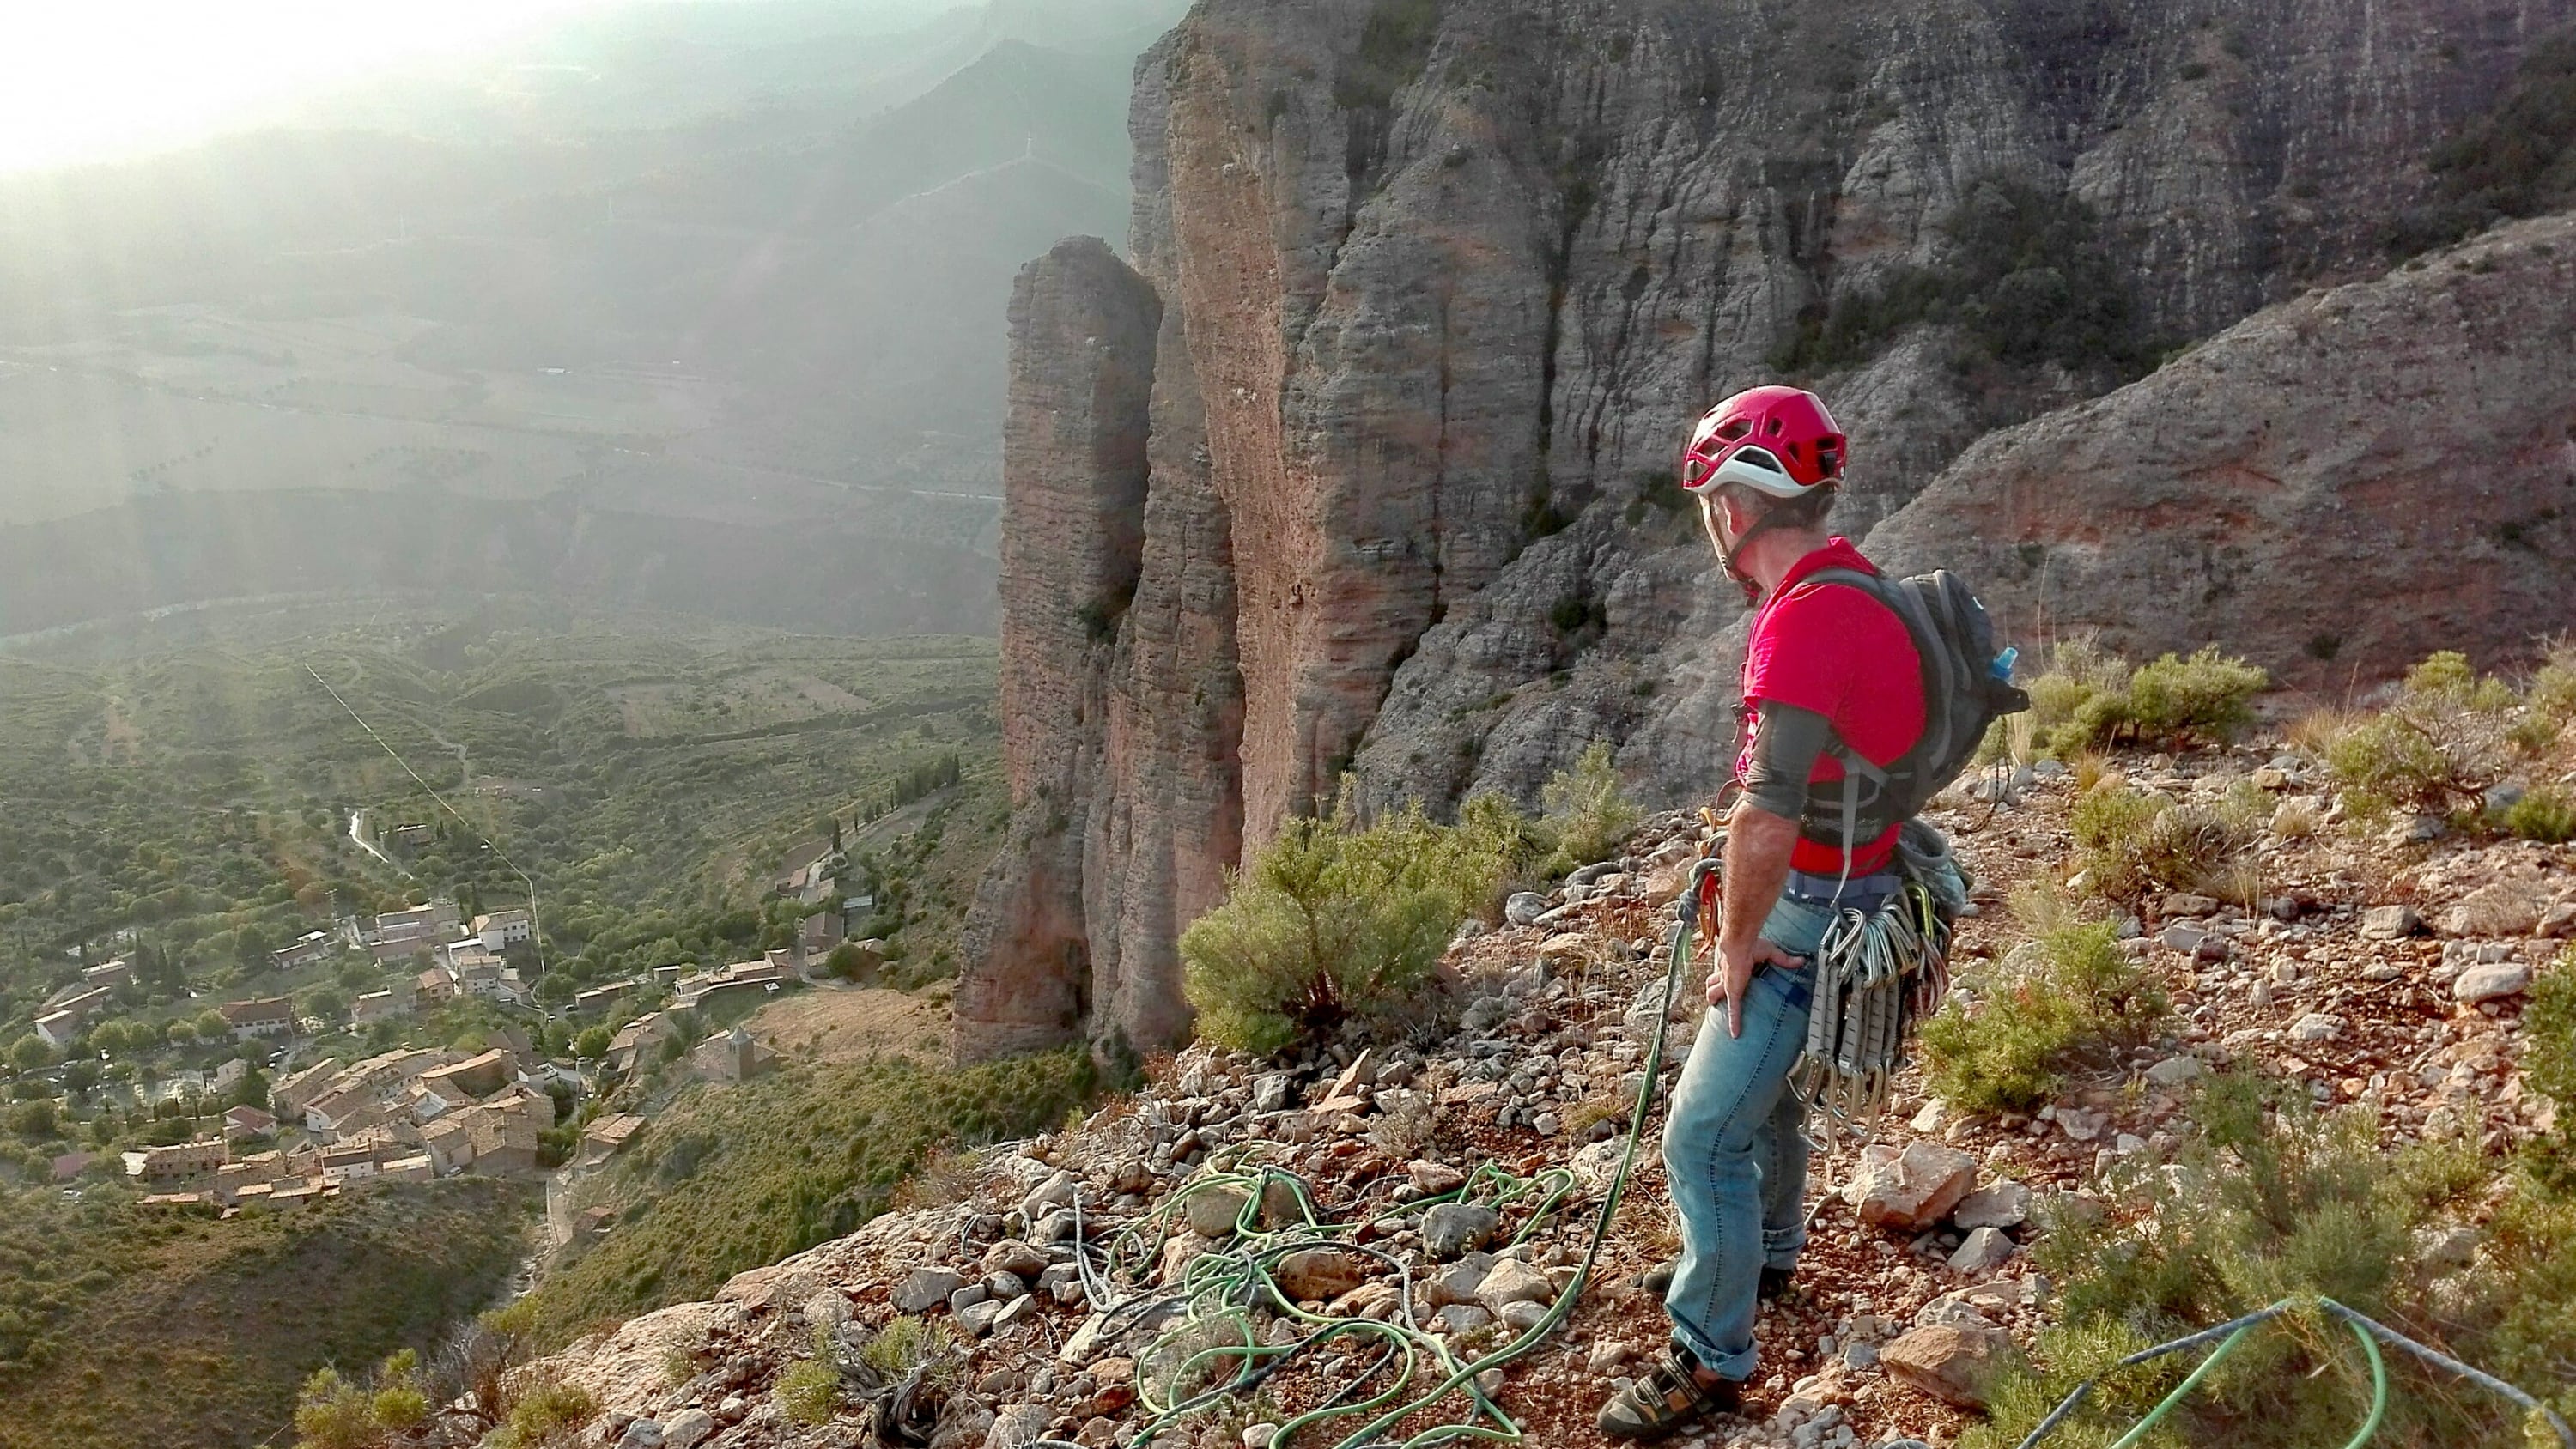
{"points": [[119, 1327], [2353, 1082]]}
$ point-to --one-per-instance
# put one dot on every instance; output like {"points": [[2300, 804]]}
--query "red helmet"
{"points": [[1778, 441]]}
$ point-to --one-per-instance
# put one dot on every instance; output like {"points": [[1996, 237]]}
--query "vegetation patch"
{"points": [[2025, 275], [743, 1176], [2089, 699], [2002, 1043], [211, 1327]]}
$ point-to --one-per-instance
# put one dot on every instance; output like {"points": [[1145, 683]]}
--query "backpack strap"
{"points": [[1856, 766]]}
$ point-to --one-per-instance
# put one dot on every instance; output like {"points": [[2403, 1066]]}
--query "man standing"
{"points": [[1827, 669]]}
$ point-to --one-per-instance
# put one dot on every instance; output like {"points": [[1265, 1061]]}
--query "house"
{"points": [[230, 1074], [244, 1123], [433, 986], [465, 1082], [756, 978], [504, 1137], [269, 1017], [415, 1168], [109, 975], [408, 838], [400, 949], [607, 1137], [796, 871], [177, 1202], [292, 1096], [478, 973], [385, 1005], [503, 929], [639, 1042], [600, 998], [179, 1162], [72, 1164], [733, 1056], [594, 1221], [344, 1111], [311, 946], [666, 977], [59, 1030], [450, 1145], [429, 924], [818, 934], [59, 1021]]}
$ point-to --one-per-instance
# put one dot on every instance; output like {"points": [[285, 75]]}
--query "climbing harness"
{"points": [[2369, 1331], [1412, 1370], [1878, 974]]}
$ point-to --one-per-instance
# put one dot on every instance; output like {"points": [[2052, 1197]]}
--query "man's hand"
{"points": [[1733, 973]]}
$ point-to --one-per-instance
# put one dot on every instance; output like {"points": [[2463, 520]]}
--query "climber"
{"points": [[1826, 669]]}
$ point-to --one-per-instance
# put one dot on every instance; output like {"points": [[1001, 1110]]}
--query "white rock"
{"points": [[2174, 1071], [2492, 982], [2316, 1026], [686, 1428], [1985, 1249], [2000, 1205]]}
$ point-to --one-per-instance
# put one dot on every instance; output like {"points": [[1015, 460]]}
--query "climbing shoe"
{"points": [[1667, 1399]]}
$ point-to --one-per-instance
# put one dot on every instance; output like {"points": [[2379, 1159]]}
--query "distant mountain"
{"points": [[735, 264]]}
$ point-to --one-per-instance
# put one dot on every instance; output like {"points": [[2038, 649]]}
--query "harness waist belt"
{"points": [[1810, 888]]}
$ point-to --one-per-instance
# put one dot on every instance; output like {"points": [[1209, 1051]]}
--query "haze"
{"points": [[116, 78]]}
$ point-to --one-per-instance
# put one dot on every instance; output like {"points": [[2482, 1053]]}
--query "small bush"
{"points": [[807, 1392], [1588, 812], [2552, 694], [2089, 698], [2542, 814], [2066, 995], [2128, 844], [2268, 1200], [2443, 672], [547, 1415], [1332, 921], [909, 1343], [2432, 752]]}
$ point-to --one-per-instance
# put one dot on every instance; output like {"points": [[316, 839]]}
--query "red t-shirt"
{"points": [[1839, 653]]}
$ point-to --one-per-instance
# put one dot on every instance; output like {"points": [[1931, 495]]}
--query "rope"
{"points": [[1220, 1290], [2369, 1331]]}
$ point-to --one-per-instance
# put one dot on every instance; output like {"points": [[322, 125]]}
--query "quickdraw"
{"points": [[1878, 974]]}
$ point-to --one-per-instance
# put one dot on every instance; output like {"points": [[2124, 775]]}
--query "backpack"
{"points": [[1967, 686]]}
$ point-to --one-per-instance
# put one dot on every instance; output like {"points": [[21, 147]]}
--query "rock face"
{"points": [[1440, 284], [2281, 485]]}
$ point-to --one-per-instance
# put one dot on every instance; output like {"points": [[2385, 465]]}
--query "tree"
{"points": [[181, 1033], [29, 1054], [35, 1120], [211, 1025], [593, 1043], [81, 1075], [251, 1090]]}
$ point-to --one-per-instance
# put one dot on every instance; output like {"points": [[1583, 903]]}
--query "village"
{"points": [[501, 1105]]}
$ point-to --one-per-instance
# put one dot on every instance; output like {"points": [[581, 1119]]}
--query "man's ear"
{"points": [[1739, 514]]}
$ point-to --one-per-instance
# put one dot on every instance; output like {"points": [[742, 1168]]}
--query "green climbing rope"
{"points": [[1220, 1290]]}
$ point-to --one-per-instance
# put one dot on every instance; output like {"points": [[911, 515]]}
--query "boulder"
{"points": [[1013, 1256], [924, 1289], [2175, 1071], [1952, 1362], [2492, 982], [2388, 923], [1057, 1191], [1984, 1250], [1910, 1187], [1513, 1281], [1213, 1211], [2316, 1026], [1430, 1179], [1998, 1205], [1458, 1282], [687, 1429], [1318, 1275], [2511, 907], [1457, 1227], [1524, 907]]}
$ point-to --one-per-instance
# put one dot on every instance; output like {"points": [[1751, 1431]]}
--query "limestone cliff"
{"points": [[1441, 281]]}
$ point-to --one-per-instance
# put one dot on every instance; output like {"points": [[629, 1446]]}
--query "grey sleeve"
{"points": [[1785, 751]]}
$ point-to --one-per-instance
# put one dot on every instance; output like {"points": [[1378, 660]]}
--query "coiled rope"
{"points": [[1220, 1290]]}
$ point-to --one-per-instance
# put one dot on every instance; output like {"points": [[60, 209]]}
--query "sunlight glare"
{"points": [[108, 78]]}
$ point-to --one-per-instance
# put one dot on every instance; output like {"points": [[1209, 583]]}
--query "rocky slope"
{"points": [[2380, 974], [1440, 283]]}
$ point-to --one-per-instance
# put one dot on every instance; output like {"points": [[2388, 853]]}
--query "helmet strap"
{"points": [[1727, 555]]}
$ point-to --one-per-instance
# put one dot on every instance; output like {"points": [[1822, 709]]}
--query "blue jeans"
{"points": [[1735, 1146]]}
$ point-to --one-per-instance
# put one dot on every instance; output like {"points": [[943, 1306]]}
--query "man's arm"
{"points": [[1760, 835], [1758, 844]]}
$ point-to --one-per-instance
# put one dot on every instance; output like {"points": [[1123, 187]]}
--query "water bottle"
{"points": [[2003, 665]]}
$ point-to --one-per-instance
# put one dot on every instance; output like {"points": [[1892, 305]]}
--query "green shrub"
{"points": [[2270, 1200], [2206, 695], [807, 1392], [2552, 694], [2089, 698], [1588, 812], [2443, 672], [546, 1415], [2068, 994], [2542, 814], [2434, 751], [1332, 921], [908, 1343], [2128, 844]]}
